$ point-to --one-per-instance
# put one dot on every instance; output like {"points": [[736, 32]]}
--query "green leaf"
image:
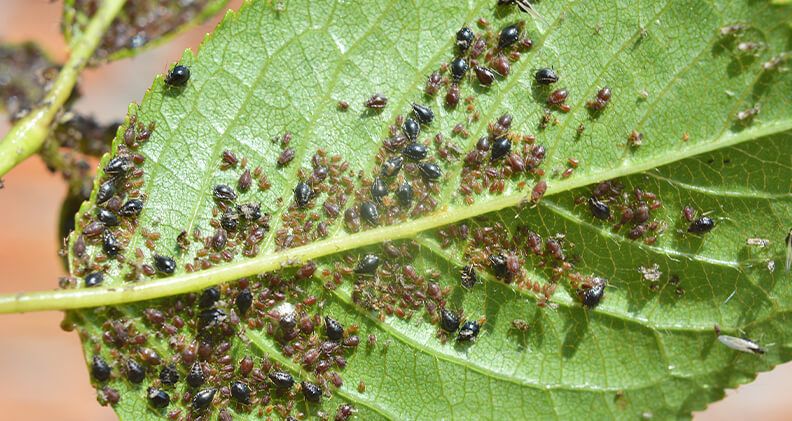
{"points": [[649, 349], [141, 25]]}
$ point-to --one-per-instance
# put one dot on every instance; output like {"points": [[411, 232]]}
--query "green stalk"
{"points": [[28, 134]]}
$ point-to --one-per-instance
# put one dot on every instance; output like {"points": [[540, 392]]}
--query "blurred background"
{"points": [[42, 375]]}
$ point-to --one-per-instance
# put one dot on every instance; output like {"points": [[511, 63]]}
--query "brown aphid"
{"points": [[361, 388], [285, 157], [557, 97], [601, 100], [433, 84], [342, 105], [245, 181], [452, 96], [376, 102], [538, 191], [635, 139], [229, 159]]}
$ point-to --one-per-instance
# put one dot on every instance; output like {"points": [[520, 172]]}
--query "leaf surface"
{"points": [[648, 349]]}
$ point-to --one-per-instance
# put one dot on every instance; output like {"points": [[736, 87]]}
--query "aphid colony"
{"points": [[498, 157], [186, 364]]}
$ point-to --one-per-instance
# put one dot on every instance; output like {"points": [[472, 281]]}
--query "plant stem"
{"points": [[29, 133]]}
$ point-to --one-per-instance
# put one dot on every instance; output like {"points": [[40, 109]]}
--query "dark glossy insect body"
{"points": [[458, 68], [107, 217], [208, 297], [508, 36], [110, 244], [702, 225], [100, 371], [164, 264], [311, 392], [240, 392], [468, 276], [370, 213], [376, 102], [430, 171], [415, 152], [157, 398], [392, 166], [302, 194], [210, 317], [411, 129], [379, 189], [168, 375], [195, 377], [281, 379], [94, 279], [545, 76], [485, 75], [557, 97], [368, 264], [131, 208], [500, 148], [498, 265], [599, 209], [135, 372], [469, 331], [452, 96], [404, 194], [591, 297], [118, 166], [230, 219], [106, 191], [178, 76], [203, 399], [244, 300], [449, 321], [219, 239], [223, 192], [424, 114], [464, 38], [483, 144], [333, 329]]}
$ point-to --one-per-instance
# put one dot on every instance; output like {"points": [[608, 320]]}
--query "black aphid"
{"points": [[500, 148], [379, 189], [599, 209], [415, 151], [368, 264], [230, 219], [404, 194], [223, 192], [392, 166], [131, 208], [702, 225], [110, 244], [458, 68], [333, 329], [546, 76], [468, 276], [158, 398], [423, 113], [107, 217], [469, 331], [508, 36], [369, 212], [411, 129], [449, 321], [244, 300], [464, 38], [208, 297], [591, 297], [203, 399], [240, 392], [117, 166], [430, 171], [100, 371], [281, 379], [164, 264], [178, 76], [302, 194], [195, 377], [106, 191], [312, 392], [94, 279], [498, 265], [169, 375], [210, 317], [135, 372]]}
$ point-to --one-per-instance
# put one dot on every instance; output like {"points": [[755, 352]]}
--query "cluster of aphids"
{"points": [[610, 202], [112, 223], [305, 221], [497, 157], [488, 54], [187, 367]]}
